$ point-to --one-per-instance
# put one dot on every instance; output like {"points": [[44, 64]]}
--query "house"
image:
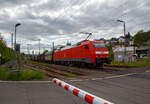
{"points": [[111, 42], [121, 39]]}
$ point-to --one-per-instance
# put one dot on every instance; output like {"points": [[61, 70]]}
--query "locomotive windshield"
{"points": [[99, 45]]}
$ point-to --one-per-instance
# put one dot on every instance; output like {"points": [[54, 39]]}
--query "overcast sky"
{"points": [[62, 20]]}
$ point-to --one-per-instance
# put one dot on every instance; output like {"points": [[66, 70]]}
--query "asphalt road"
{"points": [[133, 88]]}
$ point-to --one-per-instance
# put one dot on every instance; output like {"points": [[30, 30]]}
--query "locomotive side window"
{"points": [[99, 45], [86, 46]]}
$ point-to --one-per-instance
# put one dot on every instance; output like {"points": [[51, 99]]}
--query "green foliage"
{"points": [[138, 63], [5, 74], [22, 57], [111, 52], [141, 38], [115, 39], [30, 74], [45, 51], [128, 36], [71, 75], [6, 53]]}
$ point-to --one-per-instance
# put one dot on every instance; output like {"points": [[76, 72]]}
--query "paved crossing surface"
{"points": [[129, 89]]}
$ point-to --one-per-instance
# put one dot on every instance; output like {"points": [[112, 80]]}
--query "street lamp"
{"points": [[124, 25], [18, 24], [17, 55]]}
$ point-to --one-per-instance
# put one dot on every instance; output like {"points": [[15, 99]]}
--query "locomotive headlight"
{"points": [[106, 52], [98, 52]]}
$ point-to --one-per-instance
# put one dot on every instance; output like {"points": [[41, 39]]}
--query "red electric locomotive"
{"points": [[90, 52]]}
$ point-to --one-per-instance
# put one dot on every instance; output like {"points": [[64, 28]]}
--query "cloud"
{"points": [[62, 20]]}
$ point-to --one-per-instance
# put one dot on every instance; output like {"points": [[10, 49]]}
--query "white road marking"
{"points": [[147, 71], [116, 76], [75, 80]]}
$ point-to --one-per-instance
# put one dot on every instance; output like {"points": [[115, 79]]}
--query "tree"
{"points": [[141, 38], [128, 36], [114, 39], [6, 52], [140, 31], [45, 51]]}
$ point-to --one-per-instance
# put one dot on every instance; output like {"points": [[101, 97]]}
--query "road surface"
{"points": [[128, 88]]}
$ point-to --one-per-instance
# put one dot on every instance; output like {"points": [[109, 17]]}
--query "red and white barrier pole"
{"points": [[91, 99]]}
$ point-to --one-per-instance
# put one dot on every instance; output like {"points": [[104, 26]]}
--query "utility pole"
{"points": [[124, 26], [12, 40], [28, 49], [125, 50], [39, 47], [33, 53], [52, 52]]}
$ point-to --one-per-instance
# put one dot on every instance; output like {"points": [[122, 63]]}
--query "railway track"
{"points": [[67, 70], [48, 72], [55, 71], [63, 72]]}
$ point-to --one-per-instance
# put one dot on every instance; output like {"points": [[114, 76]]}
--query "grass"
{"points": [[71, 75], [36, 62], [138, 63], [7, 74]]}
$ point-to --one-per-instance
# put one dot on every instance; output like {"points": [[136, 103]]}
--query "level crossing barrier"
{"points": [[91, 99]]}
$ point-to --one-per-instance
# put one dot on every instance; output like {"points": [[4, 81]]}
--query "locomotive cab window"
{"points": [[86, 46], [99, 45]]}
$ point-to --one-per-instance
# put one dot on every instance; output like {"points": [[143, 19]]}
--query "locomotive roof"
{"points": [[88, 41], [79, 43]]}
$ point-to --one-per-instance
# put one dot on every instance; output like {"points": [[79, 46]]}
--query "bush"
{"points": [[7, 53], [4, 74], [7, 74]]}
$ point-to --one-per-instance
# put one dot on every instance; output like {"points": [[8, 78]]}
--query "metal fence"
{"points": [[119, 54]]}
